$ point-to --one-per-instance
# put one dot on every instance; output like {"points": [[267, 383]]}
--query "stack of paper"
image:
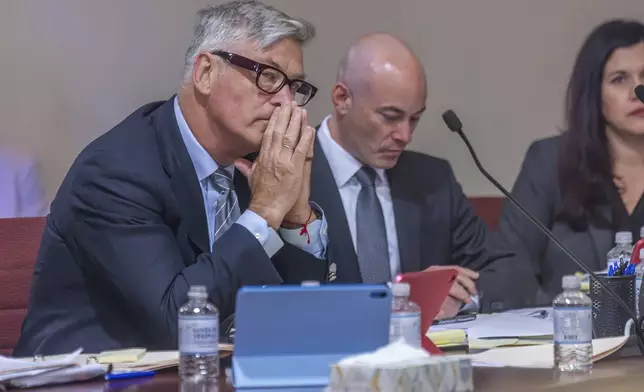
{"points": [[540, 356], [154, 360], [518, 328], [448, 338], [30, 373], [502, 325], [137, 359], [75, 366]]}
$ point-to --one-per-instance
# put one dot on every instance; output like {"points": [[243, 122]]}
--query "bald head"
{"points": [[378, 99], [376, 56]]}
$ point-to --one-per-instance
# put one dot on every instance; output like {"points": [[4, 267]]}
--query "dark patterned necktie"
{"points": [[373, 251], [227, 208]]}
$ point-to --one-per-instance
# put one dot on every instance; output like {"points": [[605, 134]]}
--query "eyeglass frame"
{"points": [[258, 68]]}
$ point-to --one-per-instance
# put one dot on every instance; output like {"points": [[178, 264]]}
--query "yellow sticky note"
{"points": [[121, 356], [585, 282], [447, 337]]}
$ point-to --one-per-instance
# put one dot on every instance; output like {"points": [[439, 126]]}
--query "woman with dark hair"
{"points": [[587, 183]]}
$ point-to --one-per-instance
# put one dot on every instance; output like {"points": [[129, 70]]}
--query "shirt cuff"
{"points": [[258, 227], [473, 306], [317, 239]]}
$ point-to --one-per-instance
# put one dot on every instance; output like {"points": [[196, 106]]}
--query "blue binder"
{"points": [[288, 336]]}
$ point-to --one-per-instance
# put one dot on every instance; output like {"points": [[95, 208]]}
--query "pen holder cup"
{"points": [[609, 319]]}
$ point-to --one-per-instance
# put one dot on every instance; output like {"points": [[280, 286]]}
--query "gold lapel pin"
{"points": [[332, 272]]}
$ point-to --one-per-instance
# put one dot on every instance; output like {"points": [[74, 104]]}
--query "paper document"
{"points": [[540, 356], [503, 325], [154, 360], [60, 376], [12, 367], [487, 343], [447, 338], [121, 356], [27, 372]]}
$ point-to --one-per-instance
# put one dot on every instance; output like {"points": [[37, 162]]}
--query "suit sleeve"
{"points": [[533, 188], [505, 281], [119, 228]]}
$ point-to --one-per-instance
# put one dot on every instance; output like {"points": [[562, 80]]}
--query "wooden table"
{"points": [[608, 375]]}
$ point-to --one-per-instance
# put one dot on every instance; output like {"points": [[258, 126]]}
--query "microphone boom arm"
{"points": [[548, 233]]}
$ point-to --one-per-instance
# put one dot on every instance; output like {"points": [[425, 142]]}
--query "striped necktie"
{"points": [[227, 208]]}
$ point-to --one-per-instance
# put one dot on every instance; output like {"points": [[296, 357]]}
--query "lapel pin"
{"points": [[332, 272]]}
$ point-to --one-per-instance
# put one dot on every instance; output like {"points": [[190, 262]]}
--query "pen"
{"points": [[457, 319], [539, 314], [126, 375]]}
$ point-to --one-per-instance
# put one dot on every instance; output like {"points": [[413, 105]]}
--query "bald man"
{"points": [[393, 211]]}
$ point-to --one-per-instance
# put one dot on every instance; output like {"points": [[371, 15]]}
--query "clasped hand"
{"points": [[279, 178]]}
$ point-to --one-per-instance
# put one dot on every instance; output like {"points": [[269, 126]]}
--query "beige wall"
{"points": [[71, 69]]}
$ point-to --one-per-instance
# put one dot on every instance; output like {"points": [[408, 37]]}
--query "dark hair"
{"points": [[585, 164]]}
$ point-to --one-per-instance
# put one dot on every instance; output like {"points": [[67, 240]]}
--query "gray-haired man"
{"points": [[155, 205]]}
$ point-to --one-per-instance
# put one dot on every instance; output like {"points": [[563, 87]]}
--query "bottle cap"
{"points": [[624, 237], [400, 289], [570, 282], [310, 283], [198, 292]]}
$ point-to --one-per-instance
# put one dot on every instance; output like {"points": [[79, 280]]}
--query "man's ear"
{"points": [[341, 98], [204, 73]]}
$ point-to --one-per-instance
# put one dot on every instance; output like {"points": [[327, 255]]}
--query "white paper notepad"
{"points": [[501, 326]]}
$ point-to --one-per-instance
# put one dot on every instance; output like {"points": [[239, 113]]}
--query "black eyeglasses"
{"points": [[270, 79]]}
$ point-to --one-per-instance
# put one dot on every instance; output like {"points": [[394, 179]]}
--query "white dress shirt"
{"points": [[205, 166], [21, 190], [344, 167]]}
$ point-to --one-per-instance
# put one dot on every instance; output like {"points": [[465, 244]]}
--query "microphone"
{"points": [[639, 92], [455, 125]]}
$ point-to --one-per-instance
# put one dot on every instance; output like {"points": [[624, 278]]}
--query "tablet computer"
{"points": [[288, 336]]}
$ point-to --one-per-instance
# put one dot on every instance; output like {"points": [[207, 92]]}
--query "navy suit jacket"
{"points": [[127, 236]]}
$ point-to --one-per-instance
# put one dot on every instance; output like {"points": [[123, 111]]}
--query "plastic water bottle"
{"points": [[573, 328], [198, 338], [638, 253], [405, 317], [623, 250]]}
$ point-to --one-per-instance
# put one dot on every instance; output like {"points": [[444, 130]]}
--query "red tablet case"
{"points": [[429, 289]]}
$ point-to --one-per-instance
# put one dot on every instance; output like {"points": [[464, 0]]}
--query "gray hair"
{"points": [[220, 26]]}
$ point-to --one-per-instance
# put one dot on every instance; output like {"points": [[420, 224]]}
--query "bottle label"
{"points": [[406, 326], [198, 335], [622, 259], [573, 325]]}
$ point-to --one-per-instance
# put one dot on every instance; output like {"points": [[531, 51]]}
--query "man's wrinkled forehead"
{"points": [[402, 91]]}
